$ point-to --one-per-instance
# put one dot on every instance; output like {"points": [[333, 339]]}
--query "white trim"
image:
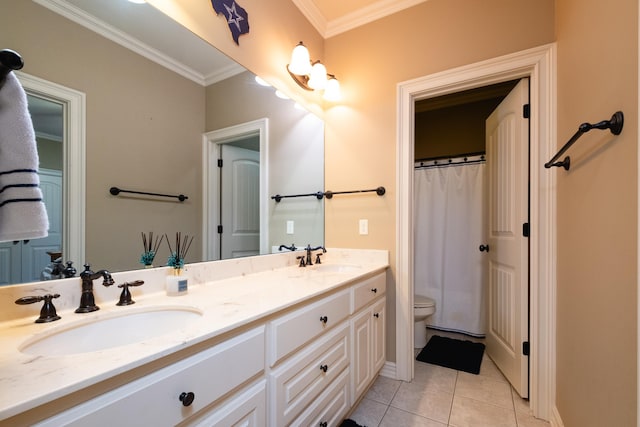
{"points": [[211, 205], [357, 18], [74, 110], [638, 247], [539, 65], [108, 31], [555, 419], [388, 370]]}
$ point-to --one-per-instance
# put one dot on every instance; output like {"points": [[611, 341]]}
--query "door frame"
{"points": [[210, 182], [539, 64], [74, 160]]}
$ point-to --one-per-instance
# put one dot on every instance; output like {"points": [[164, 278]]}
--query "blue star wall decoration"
{"points": [[237, 17]]}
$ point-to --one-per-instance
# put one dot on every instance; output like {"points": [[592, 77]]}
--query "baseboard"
{"points": [[388, 370], [555, 420]]}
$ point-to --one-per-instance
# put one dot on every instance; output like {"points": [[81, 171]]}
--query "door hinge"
{"points": [[219, 229], [219, 163], [525, 229], [526, 111], [525, 348]]}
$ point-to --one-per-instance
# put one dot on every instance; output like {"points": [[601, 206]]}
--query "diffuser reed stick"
{"points": [[150, 248], [177, 256]]}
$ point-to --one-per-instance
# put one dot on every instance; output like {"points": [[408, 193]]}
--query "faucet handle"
{"points": [[302, 263], [318, 255], [48, 311], [125, 295]]}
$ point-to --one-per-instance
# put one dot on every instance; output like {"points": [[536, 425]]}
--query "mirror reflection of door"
{"points": [[24, 261], [240, 198]]}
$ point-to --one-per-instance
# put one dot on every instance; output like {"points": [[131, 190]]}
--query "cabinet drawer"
{"points": [[368, 290], [330, 408], [298, 382], [292, 330], [155, 398], [247, 408]]}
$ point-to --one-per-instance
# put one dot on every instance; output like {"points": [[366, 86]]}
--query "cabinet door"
{"points": [[361, 355], [378, 335]]}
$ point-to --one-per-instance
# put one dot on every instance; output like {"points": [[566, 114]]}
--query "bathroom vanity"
{"points": [[256, 341]]}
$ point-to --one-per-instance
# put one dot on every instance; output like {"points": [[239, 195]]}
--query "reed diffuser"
{"points": [[177, 282], [150, 249]]}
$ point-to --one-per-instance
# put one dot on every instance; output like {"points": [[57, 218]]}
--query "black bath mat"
{"points": [[451, 353]]}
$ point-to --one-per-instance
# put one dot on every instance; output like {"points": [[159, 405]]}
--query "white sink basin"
{"points": [[110, 331], [336, 268]]}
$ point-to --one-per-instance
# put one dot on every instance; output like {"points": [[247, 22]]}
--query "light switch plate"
{"points": [[289, 227], [364, 226]]}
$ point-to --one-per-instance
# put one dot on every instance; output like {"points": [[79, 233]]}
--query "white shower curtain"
{"points": [[448, 230]]}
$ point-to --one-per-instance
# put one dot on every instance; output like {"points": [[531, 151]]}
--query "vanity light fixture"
{"points": [[312, 75]]}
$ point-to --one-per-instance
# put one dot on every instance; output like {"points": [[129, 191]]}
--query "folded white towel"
{"points": [[22, 212]]}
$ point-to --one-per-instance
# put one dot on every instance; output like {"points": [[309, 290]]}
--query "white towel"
{"points": [[23, 215]]}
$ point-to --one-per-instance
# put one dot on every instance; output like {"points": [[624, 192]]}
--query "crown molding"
{"points": [[90, 22], [313, 15], [357, 18]]}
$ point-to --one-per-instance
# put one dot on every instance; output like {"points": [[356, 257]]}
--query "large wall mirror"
{"points": [[160, 106]]}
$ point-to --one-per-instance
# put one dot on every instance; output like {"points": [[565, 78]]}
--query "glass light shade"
{"points": [[332, 90], [300, 63], [318, 77]]}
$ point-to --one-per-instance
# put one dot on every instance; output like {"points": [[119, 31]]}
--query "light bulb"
{"points": [[300, 63], [318, 77], [332, 89]]}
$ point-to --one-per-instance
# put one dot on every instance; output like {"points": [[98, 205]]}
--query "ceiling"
{"points": [[332, 17]]}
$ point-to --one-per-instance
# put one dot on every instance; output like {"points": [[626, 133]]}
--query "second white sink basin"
{"points": [[111, 331], [336, 268]]}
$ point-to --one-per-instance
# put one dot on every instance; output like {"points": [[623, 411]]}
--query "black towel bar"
{"points": [[614, 125], [115, 191], [329, 194]]}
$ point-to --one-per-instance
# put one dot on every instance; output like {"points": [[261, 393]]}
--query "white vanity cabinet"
{"points": [[177, 392], [302, 365]]}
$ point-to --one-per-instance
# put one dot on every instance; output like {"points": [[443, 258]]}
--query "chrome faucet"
{"points": [[87, 301], [309, 249]]}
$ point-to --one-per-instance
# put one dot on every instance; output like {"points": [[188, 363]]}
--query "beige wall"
{"points": [[140, 136], [295, 153], [597, 214], [370, 61]]}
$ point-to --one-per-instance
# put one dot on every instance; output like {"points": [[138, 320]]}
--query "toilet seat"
{"points": [[420, 301]]}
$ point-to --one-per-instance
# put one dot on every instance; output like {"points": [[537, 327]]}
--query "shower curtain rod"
{"points": [[443, 162]]}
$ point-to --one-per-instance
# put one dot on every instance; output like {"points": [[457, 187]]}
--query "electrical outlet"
{"points": [[289, 227], [364, 226]]}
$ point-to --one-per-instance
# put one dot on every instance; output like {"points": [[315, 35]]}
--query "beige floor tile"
{"points": [[398, 418], [383, 390], [411, 397], [484, 389], [489, 369], [519, 404], [434, 378], [528, 420], [472, 413], [369, 413]]}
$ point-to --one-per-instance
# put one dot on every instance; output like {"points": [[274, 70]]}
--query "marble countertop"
{"points": [[27, 381]]}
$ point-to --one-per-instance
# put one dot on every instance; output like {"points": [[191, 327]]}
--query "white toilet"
{"points": [[423, 307]]}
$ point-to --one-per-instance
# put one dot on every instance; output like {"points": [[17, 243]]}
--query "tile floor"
{"points": [[443, 397]]}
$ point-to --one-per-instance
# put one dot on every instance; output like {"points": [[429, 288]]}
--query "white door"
{"points": [[240, 202], [507, 139], [23, 261]]}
